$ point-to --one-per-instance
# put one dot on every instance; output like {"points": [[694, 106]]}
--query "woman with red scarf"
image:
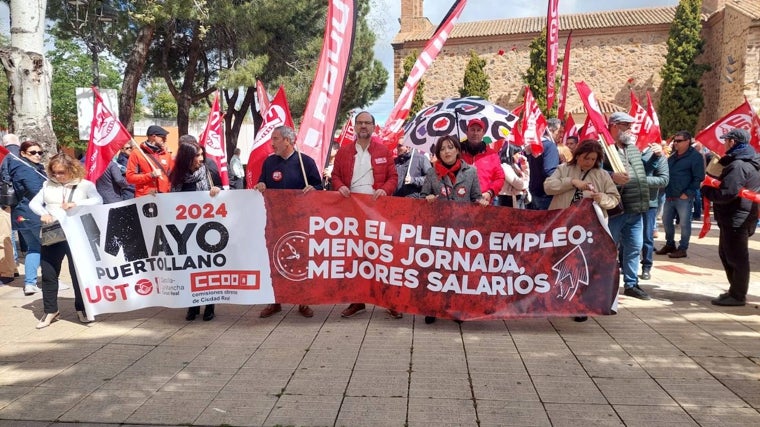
{"points": [[451, 178]]}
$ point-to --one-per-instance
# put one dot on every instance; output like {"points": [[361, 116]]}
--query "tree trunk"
{"points": [[234, 118], [29, 75], [132, 75]]}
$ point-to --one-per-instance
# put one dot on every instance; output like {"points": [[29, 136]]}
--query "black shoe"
{"points": [[645, 275], [727, 300], [636, 292], [208, 313], [665, 250], [580, 318], [429, 319], [192, 312]]}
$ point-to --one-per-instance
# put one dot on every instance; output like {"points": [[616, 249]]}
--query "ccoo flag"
{"points": [[107, 136]]}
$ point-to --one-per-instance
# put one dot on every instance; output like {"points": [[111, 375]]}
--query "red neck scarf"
{"points": [[441, 170]]}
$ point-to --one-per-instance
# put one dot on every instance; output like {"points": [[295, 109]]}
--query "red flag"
{"points": [[262, 96], [107, 136], [347, 135], [278, 114], [643, 123], [534, 124], [552, 51], [655, 134], [316, 132], [594, 112], [212, 139], [588, 131], [741, 118], [570, 129], [400, 110], [755, 132], [565, 78]]}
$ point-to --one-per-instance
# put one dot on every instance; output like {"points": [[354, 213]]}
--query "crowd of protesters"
{"points": [[662, 180]]}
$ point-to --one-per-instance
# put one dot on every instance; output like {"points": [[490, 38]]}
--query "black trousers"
{"points": [[51, 259], [733, 248]]}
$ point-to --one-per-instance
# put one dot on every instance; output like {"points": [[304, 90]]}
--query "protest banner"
{"points": [[449, 260]]}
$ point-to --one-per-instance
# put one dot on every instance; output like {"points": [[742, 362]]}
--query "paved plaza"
{"points": [[676, 360]]}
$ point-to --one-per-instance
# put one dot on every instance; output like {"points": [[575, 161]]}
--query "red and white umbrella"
{"points": [[450, 117]]}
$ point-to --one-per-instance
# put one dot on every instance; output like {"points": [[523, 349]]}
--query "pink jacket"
{"points": [[383, 168]]}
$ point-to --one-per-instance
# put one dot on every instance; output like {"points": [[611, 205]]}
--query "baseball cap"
{"points": [[620, 117], [476, 121], [741, 136]]}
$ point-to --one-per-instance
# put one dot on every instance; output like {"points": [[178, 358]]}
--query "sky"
{"points": [[385, 13]]}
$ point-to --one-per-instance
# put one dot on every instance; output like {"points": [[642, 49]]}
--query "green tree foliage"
{"points": [[681, 98], [418, 102], [535, 76], [72, 68], [160, 101], [475, 81]]}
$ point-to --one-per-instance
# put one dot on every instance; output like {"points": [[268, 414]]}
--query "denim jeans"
{"points": [[647, 250], [628, 233], [683, 208], [32, 259], [540, 203]]}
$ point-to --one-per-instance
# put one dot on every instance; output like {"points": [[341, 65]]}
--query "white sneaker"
{"points": [[62, 286], [31, 289]]}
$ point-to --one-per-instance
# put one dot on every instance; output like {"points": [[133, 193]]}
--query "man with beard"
{"points": [[627, 229], [411, 166], [148, 168], [485, 159], [736, 216], [364, 167]]}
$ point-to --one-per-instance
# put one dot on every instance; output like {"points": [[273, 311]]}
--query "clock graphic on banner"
{"points": [[291, 255]]}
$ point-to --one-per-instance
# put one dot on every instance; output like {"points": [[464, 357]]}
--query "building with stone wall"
{"points": [[613, 52]]}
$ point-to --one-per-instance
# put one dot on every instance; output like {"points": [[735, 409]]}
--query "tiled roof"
{"points": [[750, 8], [607, 19]]}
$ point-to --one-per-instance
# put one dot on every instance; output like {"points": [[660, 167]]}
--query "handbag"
{"points": [[52, 233]]}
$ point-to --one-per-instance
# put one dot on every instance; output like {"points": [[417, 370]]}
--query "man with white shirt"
{"points": [[364, 167]]}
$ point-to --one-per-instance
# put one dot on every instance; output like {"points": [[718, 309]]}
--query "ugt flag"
{"points": [[107, 136]]}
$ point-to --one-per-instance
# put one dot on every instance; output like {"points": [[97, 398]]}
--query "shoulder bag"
{"points": [[52, 233]]}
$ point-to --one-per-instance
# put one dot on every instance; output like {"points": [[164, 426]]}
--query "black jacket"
{"points": [[741, 169]]}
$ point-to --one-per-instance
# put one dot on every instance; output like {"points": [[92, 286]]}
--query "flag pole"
{"points": [[303, 170]]}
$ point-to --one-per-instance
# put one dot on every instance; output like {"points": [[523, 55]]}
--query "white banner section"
{"points": [[171, 250]]}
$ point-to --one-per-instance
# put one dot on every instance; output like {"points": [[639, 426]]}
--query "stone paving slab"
{"points": [[673, 361]]}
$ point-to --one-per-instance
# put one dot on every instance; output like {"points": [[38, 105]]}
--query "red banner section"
{"points": [[318, 122], [456, 261]]}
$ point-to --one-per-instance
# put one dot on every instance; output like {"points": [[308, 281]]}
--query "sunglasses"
{"points": [[34, 153]]}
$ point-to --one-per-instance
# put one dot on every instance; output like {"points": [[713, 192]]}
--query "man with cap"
{"points": [[543, 165], [687, 170], [627, 229], [149, 166], [736, 216], [485, 159]]}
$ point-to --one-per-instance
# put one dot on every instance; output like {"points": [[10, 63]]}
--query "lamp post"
{"points": [[87, 19]]}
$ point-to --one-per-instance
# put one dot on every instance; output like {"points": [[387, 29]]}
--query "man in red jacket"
{"points": [[148, 167], [485, 159], [364, 167]]}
